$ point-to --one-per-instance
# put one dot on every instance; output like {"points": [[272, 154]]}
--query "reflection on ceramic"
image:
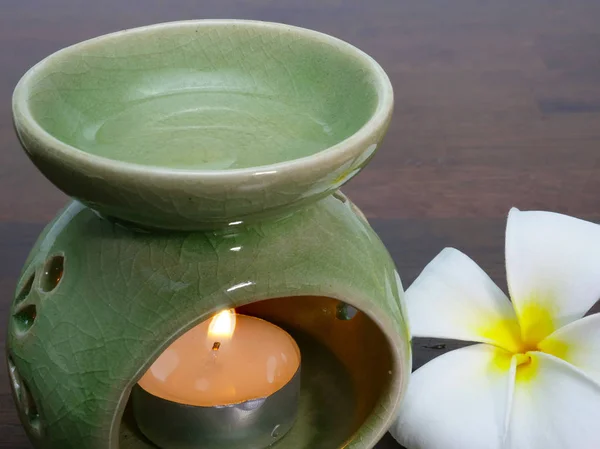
{"points": [[351, 168], [124, 296], [192, 125]]}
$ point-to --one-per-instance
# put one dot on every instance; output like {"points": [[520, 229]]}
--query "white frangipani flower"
{"points": [[533, 381]]}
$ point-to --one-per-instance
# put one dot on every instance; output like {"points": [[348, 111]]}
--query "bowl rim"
{"points": [[354, 144]]}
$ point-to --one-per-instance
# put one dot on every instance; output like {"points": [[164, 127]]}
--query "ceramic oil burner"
{"points": [[204, 159]]}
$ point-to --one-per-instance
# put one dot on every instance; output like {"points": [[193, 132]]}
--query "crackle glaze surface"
{"points": [[97, 302], [192, 125]]}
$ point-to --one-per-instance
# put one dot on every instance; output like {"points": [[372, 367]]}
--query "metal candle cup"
{"points": [[220, 385], [254, 424]]}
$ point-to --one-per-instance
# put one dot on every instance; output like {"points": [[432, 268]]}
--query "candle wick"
{"points": [[216, 346]]}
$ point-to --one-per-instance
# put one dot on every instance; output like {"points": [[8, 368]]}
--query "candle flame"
{"points": [[222, 325]]}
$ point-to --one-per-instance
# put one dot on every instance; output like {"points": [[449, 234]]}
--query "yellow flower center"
{"points": [[521, 339], [523, 359], [527, 364], [536, 323]]}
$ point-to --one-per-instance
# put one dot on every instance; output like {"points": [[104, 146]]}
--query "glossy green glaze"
{"points": [[193, 125], [98, 302], [238, 129]]}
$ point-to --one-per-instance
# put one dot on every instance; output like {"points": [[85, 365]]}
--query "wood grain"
{"points": [[497, 104]]}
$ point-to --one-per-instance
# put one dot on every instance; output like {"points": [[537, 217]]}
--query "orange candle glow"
{"points": [[226, 360]]}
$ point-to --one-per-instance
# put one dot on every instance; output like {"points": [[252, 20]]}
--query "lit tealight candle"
{"points": [[232, 381], [227, 360]]}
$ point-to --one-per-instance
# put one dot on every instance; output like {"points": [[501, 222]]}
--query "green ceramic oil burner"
{"points": [[204, 159]]}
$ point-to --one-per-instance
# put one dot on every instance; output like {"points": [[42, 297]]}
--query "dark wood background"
{"points": [[497, 105]]}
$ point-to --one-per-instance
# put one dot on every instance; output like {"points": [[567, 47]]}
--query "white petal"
{"points": [[553, 270], [579, 344], [458, 401], [554, 406], [454, 298], [403, 309]]}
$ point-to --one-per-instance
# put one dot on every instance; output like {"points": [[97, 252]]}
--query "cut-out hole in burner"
{"points": [[25, 289], [25, 318], [53, 273], [345, 311], [30, 409], [24, 398], [15, 379]]}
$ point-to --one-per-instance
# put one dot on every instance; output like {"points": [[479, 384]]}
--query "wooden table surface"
{"points": [[497, 105]]}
